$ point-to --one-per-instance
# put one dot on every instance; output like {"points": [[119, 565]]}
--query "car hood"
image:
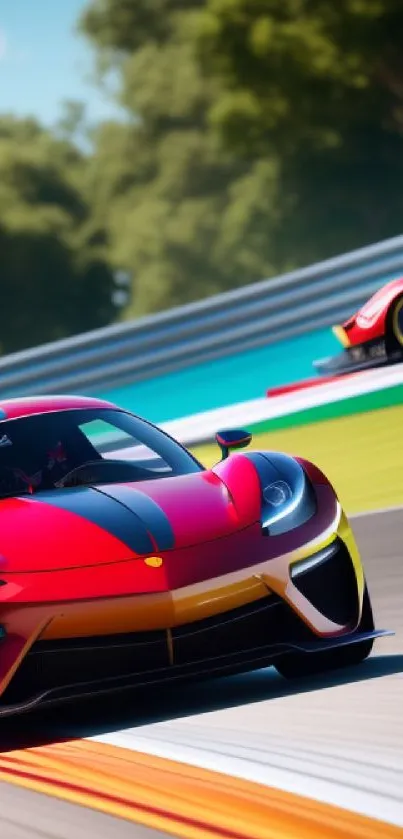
{"points": [[97, 525]]}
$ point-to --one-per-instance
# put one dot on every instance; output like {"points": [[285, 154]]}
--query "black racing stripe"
{"points": [[265, 469], [154, 518], [103, 511]]}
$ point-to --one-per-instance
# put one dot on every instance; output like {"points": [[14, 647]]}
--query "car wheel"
{"points": [[298, 665], [394, 326]]}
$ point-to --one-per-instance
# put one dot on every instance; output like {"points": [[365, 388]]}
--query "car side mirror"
{"points": [[232, 439]]}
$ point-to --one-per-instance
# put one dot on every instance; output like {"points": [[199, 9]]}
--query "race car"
{"points": [[373, 337], [125, 562]]}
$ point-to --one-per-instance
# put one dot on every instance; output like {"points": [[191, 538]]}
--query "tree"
{"points": [[54, 277], [72, 124], [263, 135], [320, 84], [184, 217]]}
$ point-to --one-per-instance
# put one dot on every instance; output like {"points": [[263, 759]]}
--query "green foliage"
{"points": [[184, 216], [307, 70], [319, 84], [265, 134], [259, 135], [54, 279]]}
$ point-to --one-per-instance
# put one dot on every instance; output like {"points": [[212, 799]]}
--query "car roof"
{"points": [[24, 406]]}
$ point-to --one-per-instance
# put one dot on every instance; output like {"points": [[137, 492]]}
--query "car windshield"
{"points": [[90, 446]]}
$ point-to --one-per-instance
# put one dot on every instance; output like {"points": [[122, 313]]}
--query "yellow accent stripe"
{"points": [[345, 533], [341, 336], [179, 799], [396, 328]]}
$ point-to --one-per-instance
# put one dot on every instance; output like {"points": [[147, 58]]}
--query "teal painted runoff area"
{"points": [[236, 378]]}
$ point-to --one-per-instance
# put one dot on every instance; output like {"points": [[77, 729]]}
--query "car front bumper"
{"points": [[308, 598]]}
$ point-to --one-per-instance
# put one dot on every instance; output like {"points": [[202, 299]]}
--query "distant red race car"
{"points": [[373, 337], [124, 562]]}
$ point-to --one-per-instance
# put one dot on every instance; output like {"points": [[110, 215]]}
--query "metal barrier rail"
{"points": [[256, 315]]}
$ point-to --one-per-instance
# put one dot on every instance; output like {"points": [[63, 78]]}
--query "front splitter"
{"points": [[216, 667]]}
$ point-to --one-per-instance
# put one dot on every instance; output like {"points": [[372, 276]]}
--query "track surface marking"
{"points": [[30, 815]]}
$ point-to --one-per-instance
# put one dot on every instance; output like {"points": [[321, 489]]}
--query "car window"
{"points": [[37, 452], [111, 442]]}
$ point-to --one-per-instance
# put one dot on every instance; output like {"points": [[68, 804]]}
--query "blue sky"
{"points": [[43, 61]]}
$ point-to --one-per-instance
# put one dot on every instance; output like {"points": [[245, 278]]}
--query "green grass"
{"points": [[361, 454]]}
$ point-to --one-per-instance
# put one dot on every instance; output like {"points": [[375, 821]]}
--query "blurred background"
{"points": [[156, 152]]}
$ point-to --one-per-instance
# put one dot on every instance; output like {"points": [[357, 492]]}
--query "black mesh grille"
{"points": [[331, 586], [52, 664], [267, 621]]}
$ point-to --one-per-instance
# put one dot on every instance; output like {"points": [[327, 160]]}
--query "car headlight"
{"points": [[288, 499]]}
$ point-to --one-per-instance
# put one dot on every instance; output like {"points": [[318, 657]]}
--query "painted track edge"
{"points": [[180, 799]]}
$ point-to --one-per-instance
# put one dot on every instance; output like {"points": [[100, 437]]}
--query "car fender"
{"points": [[369, 323]]}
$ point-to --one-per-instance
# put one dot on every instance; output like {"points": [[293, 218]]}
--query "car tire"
{"points": [[394, 326], [298, 665]]}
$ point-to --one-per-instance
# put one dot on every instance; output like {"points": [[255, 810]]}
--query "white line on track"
{"points": [[339, 741], [297, 769]]}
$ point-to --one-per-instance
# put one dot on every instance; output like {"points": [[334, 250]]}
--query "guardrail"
{"points": [[256, 315]]}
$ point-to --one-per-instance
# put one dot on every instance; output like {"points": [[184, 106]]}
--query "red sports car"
{"points": [[123, 561], [373, 336]]}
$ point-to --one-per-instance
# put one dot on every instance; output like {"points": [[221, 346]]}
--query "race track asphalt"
{"points": [[30, 815], [338, 739]]}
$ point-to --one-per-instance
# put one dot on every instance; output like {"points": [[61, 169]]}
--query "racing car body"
{"points": [[123, 561], [373, 336]]}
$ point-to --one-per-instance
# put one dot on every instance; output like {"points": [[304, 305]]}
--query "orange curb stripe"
{"points": [[176, 798]]}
